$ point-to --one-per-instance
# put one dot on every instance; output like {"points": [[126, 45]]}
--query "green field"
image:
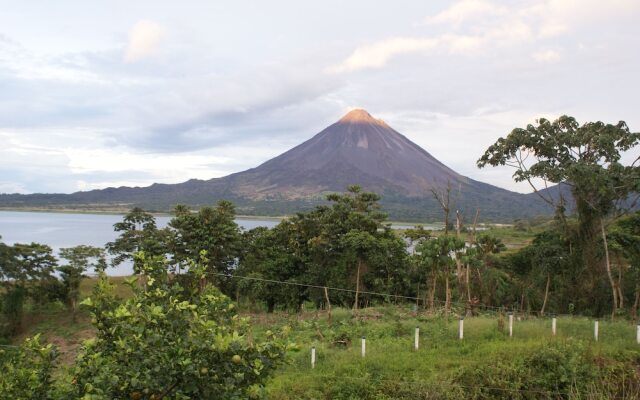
{"points": [[487, 363]]}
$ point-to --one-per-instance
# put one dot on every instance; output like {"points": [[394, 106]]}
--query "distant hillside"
{"points": [[358, 149]]}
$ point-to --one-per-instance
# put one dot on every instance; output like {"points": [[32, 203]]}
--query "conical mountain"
{"points": [[357, 149]]}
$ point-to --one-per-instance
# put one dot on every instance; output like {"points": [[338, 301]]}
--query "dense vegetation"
{"points": [[176, 334]]}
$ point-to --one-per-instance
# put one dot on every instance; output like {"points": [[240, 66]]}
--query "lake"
{"points": [[60, 230]]}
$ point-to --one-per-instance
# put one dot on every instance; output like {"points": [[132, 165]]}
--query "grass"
{"points": [[391, 361], [391, 368]]}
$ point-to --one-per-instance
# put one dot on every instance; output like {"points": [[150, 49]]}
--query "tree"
{"points": [[348, 242], [212, 229], [270, 255], [436, 256], [171, 341], [79, 260], [32, 262], [624, 237], [586, 160], [6, 261], [486, 247], [138, 232], [23, 268]]}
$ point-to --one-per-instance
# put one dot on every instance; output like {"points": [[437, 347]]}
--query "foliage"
{"points": [[344, 245], [24, 269], [267, 255], [173, 342], [27, 370], [584, 157], [12, 310], [138, 232], [31, 262], [212, 229], [79, 260], [553, 370]]}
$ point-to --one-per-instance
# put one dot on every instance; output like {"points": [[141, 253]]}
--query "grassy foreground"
{"points": [[486, 364]]}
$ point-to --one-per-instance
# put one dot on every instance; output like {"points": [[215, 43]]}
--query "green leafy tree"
{"points": [[212, 229], [269, 255], [32, 262], [25, 266], [436, 257], [586, 159], [138, 232], [624, 237], [170, 341], [485, 250], [348, 242], [79, 260], [7, 260]]}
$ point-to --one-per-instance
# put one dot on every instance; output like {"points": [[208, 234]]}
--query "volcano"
{"points": [[357, 149]]}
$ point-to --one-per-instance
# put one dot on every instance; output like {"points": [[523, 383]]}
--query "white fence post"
{"points": [[461, 328], [416, 339], [595, 330], [553, 326], [638, 334], [364, 346], [313, 357]]}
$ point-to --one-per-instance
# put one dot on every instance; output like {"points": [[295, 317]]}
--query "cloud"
{"points": [[464, 10], [377, 54], [144, 40], [546, 56], [473, 25]]}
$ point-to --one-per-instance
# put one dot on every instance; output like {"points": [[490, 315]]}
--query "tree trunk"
{"points": [[447, 302], [432, 292], [480, 285], [619, 285], [355, 304], [634, 309], [74, 308], [468, 283], [608, 267], [460, 278], [326, 297], [546, 295]]}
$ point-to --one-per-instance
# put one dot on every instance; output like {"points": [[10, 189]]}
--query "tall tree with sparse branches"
{"points": [[586, 159]]}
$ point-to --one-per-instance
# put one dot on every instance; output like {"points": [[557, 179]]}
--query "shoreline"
{"points": [[120, 212]]}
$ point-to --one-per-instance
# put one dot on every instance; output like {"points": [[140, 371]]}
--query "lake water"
{"points": [[60, 230]]}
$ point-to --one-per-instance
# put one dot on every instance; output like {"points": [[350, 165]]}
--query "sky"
{"points": [[98, 93]]}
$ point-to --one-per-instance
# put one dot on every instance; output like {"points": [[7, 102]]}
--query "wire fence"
{"points": [[481, 306]]}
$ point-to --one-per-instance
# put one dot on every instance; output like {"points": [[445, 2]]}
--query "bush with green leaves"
{"points": [[171, 341], [26, 370], [558, 370]]}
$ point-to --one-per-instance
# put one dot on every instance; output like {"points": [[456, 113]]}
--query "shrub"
{"points": [[26, 370], [171, 342], [558, 370]]}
